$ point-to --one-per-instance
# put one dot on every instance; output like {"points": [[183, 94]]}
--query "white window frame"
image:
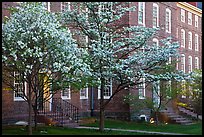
{"points": [[189, 18], [196, 63], [69, 94], [25, 86], [183, 62], [183, 88], [196, 42], [155, 40], [196, 21], [85, 90], [141, 89], [182, 15], [168, 21], [183, 38], [65, 4], [156, 95], [155, 6], [110, 87], [189, 40], [141, 11], [190, 64], [47, 5]]}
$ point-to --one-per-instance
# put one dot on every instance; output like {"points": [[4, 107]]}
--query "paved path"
{"points": [[139, 131]]}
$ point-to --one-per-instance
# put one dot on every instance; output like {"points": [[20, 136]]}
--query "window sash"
{"points": [[84, 93], [107, 90], [66, 93], [18, 85], [65, 5]]}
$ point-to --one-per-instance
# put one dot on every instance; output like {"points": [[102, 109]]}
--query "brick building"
{"points": [[179, 20]]}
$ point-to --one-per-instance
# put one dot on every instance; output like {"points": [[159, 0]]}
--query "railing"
{"points": [[61, 110]]}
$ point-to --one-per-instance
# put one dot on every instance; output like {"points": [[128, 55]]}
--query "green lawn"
{"points": [[172, 128], [45, 130], [195, 129]]}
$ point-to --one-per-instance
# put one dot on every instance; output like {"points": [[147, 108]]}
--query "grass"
{"points": [[46, 130], [194, 129]]}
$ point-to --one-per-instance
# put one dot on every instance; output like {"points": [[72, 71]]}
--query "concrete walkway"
{"points": [[138, 131]]}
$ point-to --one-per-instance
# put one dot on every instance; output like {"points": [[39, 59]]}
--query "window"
{"points": [[168, 20], [196, 63], [47, 5], [196, 42], [141, 13], [189, 40], [189, 64], [141, 89], [65, 6], [177, 64], [183, 62], [155, 15], [84, 93], [66, 93], [183, 38], [155, 42], [196, 21], [182, 15], [107, 91], [19, 86], [156, 93], [189, 18]]}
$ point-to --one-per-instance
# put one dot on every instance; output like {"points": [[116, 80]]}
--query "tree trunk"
{"points": [[102, 111], [29, 110]]}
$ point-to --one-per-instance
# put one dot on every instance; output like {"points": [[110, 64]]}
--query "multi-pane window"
{"points": [[196, 21], [47, 5], [141, 13], [155, 15], [196, 42], [183, 88], [66, 93], [107, 90], [183, 38], [189, 64], [65, 6], [155, 42], [196, 63], [168, 20], [183, 62], [156, 93], [182, 15], [189, 40], [189, 18], [141, 89], [84, 93], [19, 86]]}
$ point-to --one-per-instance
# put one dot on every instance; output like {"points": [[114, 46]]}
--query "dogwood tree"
{"points": [[34, 43], [119, 52]]}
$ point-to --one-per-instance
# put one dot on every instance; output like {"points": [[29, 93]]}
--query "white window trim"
{"points": [[184, 38], [184, 62], [143, 13], [169, 29], [190, 64], [190, 39], [20, 98], [69, 6], [143, 87], [156, 5], [66, 97], [190, 17], [156, 40], [183, 14], [196, 41], [196, 62], [105, 97], [196, 20], [86, 96]]}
